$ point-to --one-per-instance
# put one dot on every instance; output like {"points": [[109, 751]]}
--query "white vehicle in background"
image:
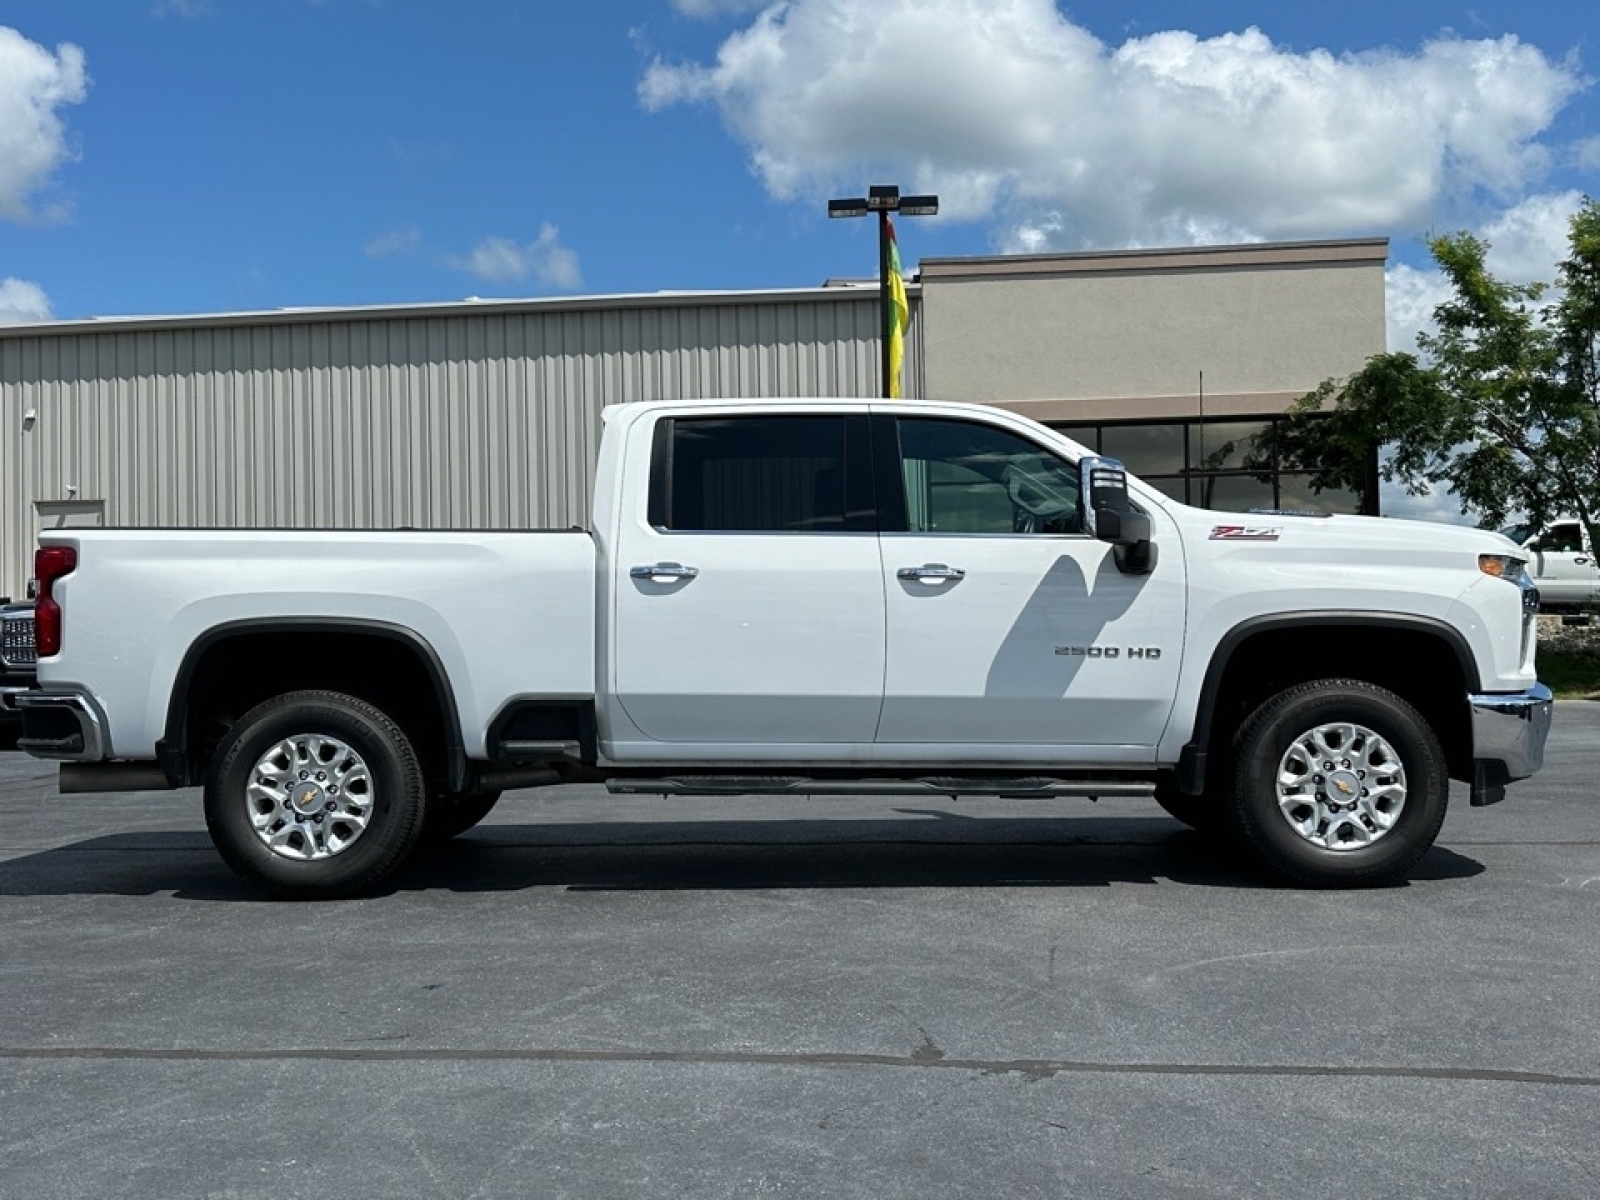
{"points": [[1562, 562]]}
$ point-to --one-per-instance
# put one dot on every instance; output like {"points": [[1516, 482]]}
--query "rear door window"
{"points": [[754, 474]]}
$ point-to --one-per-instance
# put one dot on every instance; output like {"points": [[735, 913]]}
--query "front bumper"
{"points": [[61, 725], [1508, 735]]}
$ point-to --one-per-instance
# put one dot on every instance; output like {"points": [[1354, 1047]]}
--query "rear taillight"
{"points": [[50, 563]]}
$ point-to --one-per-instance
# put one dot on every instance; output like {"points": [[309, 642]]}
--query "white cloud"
{"points": [[502, 260], [1433, 505], [1526, 243], [23, 303], [1529, 240], [1014, 114], [1410, 296], [718, 8], [33, 84], [404, 239], [182, 8]]}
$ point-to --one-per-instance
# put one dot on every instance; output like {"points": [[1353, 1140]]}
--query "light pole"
{"points": [[883, 200]]}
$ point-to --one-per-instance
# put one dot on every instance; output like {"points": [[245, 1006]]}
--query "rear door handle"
{"points": [[931, 574], [664, 572], [1581, 561]]}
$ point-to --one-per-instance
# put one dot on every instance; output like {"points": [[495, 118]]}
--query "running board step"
{"points": [[941, 785]]}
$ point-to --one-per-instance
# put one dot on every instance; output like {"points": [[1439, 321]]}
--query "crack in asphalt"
{"points": [[923, 1059]]}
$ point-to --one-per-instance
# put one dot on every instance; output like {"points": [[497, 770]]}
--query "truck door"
{"points": [[749, 597], [1006, 623], [1564, 565]]}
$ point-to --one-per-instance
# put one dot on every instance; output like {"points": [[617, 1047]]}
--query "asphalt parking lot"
{"points": [[592, 996]]}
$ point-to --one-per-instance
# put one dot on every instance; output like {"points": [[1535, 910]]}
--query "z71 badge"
{"points": [[1245, 533]]}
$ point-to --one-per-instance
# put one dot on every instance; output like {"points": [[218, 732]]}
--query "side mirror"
{"points": [[1109, 515]]}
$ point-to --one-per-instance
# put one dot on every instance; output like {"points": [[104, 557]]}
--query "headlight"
{"points": [[1504, 566]]}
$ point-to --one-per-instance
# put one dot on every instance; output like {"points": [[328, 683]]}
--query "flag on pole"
{"points": [[899, 314]]}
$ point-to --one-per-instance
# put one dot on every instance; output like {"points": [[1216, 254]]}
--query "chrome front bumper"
{"points": [[61, 725], [1508, 735]]}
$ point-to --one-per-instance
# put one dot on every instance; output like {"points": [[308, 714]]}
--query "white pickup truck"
{"points": [[800, 597], [1562, 560]]}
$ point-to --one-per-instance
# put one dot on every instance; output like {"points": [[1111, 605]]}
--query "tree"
{"points": [[1502, 409]]}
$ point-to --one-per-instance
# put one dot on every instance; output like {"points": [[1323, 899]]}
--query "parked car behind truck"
{"points": [[800, 597], [16, 665]]}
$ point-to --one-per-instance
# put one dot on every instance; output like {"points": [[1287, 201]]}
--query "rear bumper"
{"points": [[60, 725], [1508, 735], [10, 718]]}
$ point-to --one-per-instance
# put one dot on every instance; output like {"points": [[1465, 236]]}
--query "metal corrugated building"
{"points": [[477, 414]]}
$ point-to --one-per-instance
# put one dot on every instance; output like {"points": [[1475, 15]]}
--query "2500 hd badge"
{"points": [[1146, 652]]}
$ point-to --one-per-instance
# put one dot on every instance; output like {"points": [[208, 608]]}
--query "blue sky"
{"points": [[167, 156]]}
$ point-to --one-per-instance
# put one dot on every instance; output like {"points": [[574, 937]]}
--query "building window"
{"points": [[1204, 464]]}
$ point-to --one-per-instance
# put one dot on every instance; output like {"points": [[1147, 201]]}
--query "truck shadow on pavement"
{"points": [[1072, 852]]}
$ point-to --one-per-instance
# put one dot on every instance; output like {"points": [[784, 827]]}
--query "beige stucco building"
{"points": [[1129, 350], [486, 413]]}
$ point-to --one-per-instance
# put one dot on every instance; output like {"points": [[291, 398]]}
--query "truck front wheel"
{"points": [[315, 795], [1340, 783]]}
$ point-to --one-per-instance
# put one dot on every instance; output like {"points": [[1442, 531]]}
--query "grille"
{"points": [[16, 641]]}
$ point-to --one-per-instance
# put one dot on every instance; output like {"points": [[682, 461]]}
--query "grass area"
{"points": [[1569, 658], [1569, 674]]}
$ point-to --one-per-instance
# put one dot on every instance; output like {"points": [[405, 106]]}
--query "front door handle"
{"points": [[664, 572], [931, 574], [1581, 560]]}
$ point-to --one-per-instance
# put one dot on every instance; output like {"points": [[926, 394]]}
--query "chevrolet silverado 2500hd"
{"points": [[800, 597]]}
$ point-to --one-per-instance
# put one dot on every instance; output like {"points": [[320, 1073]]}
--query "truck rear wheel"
{"points": [[314, 795], [1340, 783]]}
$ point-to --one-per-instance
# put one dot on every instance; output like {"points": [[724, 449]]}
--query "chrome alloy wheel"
{"points": [[1341, 786], [310, 797]]}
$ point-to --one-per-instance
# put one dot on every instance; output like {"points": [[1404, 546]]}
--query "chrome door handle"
{"points": [[931, 573], [1581, 561], [664, 572]]}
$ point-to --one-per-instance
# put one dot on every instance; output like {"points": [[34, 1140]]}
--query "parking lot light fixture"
{"points": [[884, 199]]}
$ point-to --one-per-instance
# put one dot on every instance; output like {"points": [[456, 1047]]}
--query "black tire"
{"points": [[1376, 743], [451, 815], [277, 772], [1209, 813]]}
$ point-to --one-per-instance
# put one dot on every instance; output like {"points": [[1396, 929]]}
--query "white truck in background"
{"points": [[1562, 561], [800, 597]]}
